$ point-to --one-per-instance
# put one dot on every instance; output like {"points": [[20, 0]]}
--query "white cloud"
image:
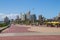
{"points": [[11, 16]]}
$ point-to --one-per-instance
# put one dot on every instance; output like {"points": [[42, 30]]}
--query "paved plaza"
{"points": [[23, 32]]}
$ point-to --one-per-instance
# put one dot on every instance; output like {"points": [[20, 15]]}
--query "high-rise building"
{"points": [[28, 15], [57, 18], [33, 17], [6, 20], [22, 17], [17, 17], [59, 15], [40, 18]]}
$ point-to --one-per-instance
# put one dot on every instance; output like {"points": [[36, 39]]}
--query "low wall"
{"points": [[5, 28]]}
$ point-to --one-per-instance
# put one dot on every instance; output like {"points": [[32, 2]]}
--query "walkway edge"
{"points": [[26, 34]]}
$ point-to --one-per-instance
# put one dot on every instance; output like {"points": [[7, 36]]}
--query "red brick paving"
{"points": [[15, 29], [41, 37]]}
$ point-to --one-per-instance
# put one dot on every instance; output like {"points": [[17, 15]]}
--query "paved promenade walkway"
{"points": [[21, 32]]}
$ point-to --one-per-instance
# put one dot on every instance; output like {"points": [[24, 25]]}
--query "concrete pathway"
{"points": [[27, 34]]}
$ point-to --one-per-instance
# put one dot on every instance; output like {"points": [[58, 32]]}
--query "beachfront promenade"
{"points": [[28, 32]]}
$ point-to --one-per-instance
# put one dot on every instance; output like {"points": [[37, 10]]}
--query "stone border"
{"points": [[5, 28]]}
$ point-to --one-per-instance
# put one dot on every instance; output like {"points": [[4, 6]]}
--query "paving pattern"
{"points": [[16, 29], [19, 29], [46, 37]]}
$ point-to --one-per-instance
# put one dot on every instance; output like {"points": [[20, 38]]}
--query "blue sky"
{"points": [[11, 8]]}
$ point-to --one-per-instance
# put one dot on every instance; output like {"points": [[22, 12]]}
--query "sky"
{"points": [[12, 8]]}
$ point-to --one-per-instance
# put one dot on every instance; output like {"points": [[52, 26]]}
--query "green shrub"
{"points": [[3, 24]]}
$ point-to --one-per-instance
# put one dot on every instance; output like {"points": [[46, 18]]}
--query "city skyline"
{"points": [[48, 8]]}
